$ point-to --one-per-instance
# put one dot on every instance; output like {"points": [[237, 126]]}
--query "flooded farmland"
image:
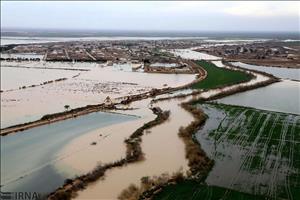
{"points": [[193, 55], [84, 88], [255, 151], [88, 119], [13, 78]]}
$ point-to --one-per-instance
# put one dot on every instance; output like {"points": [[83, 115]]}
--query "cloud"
{"points": [[264, 9], [151, 15]]}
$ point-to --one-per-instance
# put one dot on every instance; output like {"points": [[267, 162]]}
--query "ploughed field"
{"points": [[217, 77], [256, 153]]}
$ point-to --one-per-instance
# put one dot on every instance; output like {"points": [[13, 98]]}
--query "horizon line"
{"points": [[15, 29]]}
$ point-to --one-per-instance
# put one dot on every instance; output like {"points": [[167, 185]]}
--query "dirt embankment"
{"points": [[284, 63], [51, 118], [200, 164], [198, 161], [41, 84], [134, 153], [54, 68]]}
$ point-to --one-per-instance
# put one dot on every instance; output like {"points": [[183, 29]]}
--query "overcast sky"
{"points": [[157, 16]]}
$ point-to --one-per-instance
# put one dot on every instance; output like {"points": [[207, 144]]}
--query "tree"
{"points": [[67, 107]]}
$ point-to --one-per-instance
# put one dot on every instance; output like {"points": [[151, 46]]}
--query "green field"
{"points": [[256, 152], [217, 77], [192, 190]]}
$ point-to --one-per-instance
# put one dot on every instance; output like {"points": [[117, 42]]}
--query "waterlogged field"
{"points": [[193, 55], [86, 84], [256, 151], [256, 154], [194, 190], [13, 78], [217, 76]]}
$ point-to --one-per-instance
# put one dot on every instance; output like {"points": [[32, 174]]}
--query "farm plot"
{"points": [[193, 190], [219, 77], [256, 153]]}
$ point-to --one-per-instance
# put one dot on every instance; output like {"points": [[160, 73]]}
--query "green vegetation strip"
{"points": [[193, 190], [218, 77]]}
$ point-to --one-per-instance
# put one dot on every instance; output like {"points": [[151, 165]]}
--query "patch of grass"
{"points": [[217, 77]]}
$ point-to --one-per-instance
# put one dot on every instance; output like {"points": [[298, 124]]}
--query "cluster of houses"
{"points": [[250, 51]]}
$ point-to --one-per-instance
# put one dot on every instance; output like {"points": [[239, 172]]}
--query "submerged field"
{"points": [[217, 77], [194, 190], [81, 88], [256, 153]]}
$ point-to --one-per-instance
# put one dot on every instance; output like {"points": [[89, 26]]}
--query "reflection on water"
{"points": [[27, 158], [285, 73], [282, 96]]}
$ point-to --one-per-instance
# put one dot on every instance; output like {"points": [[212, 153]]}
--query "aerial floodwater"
{"points": [[29, 160], [13, 78], [282, 97], [142, 117], [284, 73], [83, 83], [190, 54]]}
